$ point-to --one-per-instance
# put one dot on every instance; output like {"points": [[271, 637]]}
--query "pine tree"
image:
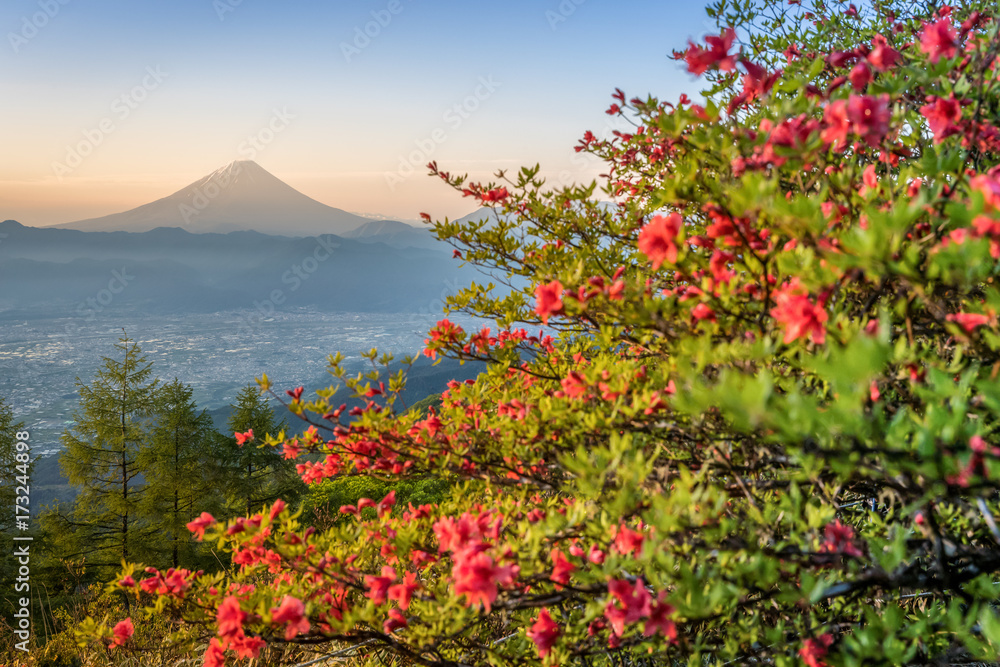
{"points": [[178, 483], [254, 475], [101, 458]]}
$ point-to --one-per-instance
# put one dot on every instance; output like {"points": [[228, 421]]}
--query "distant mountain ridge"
{"points": [[241, 196], [45, 270], [395, 234]]}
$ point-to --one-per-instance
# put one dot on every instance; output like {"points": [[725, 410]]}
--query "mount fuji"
{"points": [[242, 196]]}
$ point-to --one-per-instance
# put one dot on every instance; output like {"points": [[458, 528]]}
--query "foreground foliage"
{"points": [[761, 422]]}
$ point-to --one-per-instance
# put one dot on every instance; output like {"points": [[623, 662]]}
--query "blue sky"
{"points": [[158, 94]]}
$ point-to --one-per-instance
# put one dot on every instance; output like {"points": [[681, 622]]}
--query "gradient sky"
{"points": [[229, 65]]}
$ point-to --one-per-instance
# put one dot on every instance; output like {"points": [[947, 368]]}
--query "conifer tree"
{"points": [[254, 475], [178, 485], [102, 458]]}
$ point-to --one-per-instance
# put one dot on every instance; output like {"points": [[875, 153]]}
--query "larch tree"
{"points": [[178, 480], [111, 426], [252, 474]]}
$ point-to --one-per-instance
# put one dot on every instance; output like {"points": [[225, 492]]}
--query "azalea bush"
{"points": [[747, 412]]}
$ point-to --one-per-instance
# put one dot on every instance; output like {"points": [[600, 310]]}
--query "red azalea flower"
{"points": [[658, 239], [756, 82], [627, 540], [814, 650], [969, 321], [703, 312], [246, 647], [939, 40], [548, 300], [495, 195], [544, 632], [199, 525], [291, 611], [385, 505], [988, 185], [956, 236], [837, 124], [699, 60], [456, 534], [230, 617], [243, 438], [942, 114], [574, 385], [477, 577], [175, 583], [628, 604], [378, 587], [395, 621], [869, 180], [800, 317], [869, 117], [123, 631], [839, 59], [402, 592], [561, 567], [860, 76], [444, 332], [659, 619], [986, 226], [839, 538], [882, 56], [215, 654]]}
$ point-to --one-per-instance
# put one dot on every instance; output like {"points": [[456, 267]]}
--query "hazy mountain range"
{"points": [[175, 271]]}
